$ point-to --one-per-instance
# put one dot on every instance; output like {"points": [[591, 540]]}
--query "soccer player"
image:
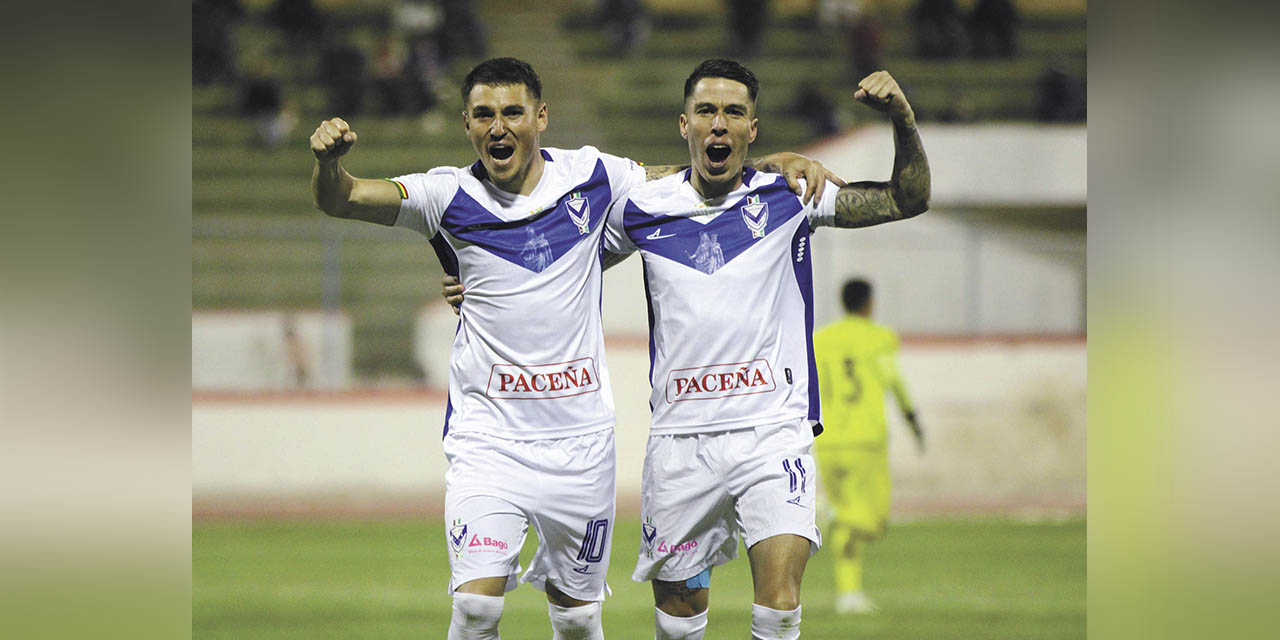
{"points": [[734, 383], [857, 364], [529, 424]]}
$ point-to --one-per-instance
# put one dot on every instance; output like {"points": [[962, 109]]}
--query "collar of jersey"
{"points": [[715, 206], [747, 174], [506, 197]]}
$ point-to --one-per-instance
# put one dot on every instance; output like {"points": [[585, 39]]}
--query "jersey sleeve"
{"points": [[624, 175], [424, 197], [615, 234], [823, 214]]}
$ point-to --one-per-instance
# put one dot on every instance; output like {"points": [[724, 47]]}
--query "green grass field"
{"points": [[934, 579]]}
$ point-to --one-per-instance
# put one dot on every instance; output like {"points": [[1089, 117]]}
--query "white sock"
{"points": [[676, 628], [475, 617], [576, 623], [771, 624]]}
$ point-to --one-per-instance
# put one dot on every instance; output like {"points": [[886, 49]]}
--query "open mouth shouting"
{"points": [[718, 155], [501, 152]]}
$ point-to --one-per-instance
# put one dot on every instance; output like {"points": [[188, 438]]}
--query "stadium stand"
{"points": [[258, 243]]}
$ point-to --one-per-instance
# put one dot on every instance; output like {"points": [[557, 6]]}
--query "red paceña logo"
{"points": [[543, 381], [720, 381]]}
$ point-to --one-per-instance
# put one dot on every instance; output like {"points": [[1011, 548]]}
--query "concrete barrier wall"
{"points": [[270, 350], [1005, 422]]}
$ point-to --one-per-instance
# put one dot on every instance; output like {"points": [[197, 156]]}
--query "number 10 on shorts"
{"points": [[593, 543]]}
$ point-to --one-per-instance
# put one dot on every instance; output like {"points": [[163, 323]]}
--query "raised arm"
{"points": [[338, 193], [906, 194]]}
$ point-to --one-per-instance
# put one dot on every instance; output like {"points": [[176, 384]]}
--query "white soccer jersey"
{"points": [[528, 357], [730, 300]]}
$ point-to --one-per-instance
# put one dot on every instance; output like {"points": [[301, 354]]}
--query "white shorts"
{"points": [[564, 486], [700, 492]]}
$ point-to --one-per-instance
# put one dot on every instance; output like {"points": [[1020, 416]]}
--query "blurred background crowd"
{"points": [[264, 71]]}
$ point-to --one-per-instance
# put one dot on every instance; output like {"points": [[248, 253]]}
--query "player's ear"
{"points": [[542, 117], [466, 121], [754, 122], [684, 125]]}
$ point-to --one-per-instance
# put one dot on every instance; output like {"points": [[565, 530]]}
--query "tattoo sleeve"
{"points": [[863, 204], [766, 163]]}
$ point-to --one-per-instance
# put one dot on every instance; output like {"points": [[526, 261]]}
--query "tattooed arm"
{"points": [[793, 167], [655, 173], [863, 204]]}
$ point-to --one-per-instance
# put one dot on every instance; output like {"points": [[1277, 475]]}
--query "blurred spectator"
{"points": [[865, 37], [262, 100], [830, 15], [342, 66], [627, 23], [1059, 96], [389, 55], [461, 34], [416, 19], [938, 28], [747, 22], [993, 28], [816, 108], [212, 59], [422, 75], [296, 352], [421, 23], [862, 33], [299, 20], [959, 108]]}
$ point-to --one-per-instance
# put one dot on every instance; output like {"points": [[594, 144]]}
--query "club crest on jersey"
{"points": [[720, 381], [579, 211], [756, 214], [457, 535]]}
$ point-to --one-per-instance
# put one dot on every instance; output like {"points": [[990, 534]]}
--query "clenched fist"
{"points": [[332, 139], [882, 93]]}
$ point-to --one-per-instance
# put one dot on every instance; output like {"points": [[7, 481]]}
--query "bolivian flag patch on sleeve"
{"points": [[404, 193]]}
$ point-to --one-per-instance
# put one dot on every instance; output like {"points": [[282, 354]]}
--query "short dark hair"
{"points": [[856, 294], [722, 68], [500, 72]]}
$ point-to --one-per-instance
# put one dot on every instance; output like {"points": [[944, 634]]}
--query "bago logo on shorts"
{"points": [[485, 544], [720, 381], [543, 381]]}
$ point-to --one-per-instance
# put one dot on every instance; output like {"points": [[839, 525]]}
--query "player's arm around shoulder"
{"points": [[805, 177], [906, 195], [338, 193]]}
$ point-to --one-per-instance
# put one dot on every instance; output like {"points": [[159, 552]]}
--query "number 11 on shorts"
{"points": [[795, 468]]}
